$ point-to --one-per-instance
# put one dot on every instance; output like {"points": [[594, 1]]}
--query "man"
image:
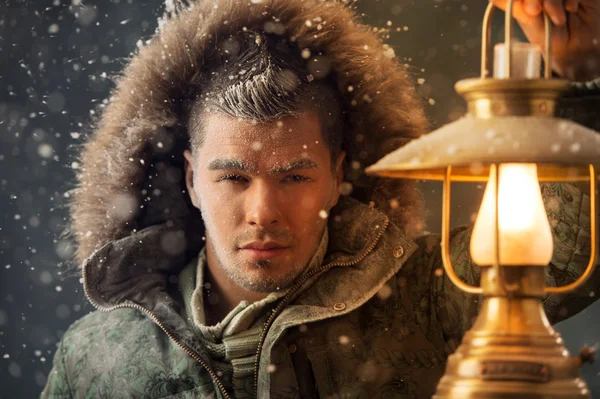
{"points": [[261, 261]]}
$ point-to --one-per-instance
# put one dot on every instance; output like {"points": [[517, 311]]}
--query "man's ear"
{"points": [[189, 177], [339, 174]]}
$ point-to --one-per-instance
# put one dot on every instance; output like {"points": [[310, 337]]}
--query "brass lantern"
{"points": [[512, 139]]}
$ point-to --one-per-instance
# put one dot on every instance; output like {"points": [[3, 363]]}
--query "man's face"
{"points": [[264, 191]]}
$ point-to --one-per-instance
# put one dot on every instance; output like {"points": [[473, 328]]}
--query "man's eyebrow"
{"points": [[303, 163], [230, 164]]}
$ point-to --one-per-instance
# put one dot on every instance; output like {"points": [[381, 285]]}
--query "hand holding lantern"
{"points": [[575, 54]]}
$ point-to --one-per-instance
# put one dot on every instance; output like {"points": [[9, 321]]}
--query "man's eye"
{"points": [[297, 178], [233, 178]]}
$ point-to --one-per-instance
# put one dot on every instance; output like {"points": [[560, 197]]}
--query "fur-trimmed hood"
{"points": [[131, 173]]}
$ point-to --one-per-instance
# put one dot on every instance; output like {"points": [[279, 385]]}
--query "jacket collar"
{"points": [[365, 251]]}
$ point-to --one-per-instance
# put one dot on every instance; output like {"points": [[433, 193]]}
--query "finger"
{"points": [[572, 5], [501, 4], [556, 11], [518, 9], [533, 7]]}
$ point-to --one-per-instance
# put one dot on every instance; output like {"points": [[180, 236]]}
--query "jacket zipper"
{"points": [[193, 354], [295, 288]]}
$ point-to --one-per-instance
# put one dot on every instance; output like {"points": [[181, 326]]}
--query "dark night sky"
{"points": [[57, 58]]}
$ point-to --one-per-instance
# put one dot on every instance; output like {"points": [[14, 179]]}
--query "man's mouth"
{"points": [[263, 250]]}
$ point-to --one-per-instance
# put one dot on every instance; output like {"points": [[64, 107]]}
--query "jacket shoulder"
{"points": [[84, 340], [111, 330], [108, 352], [97, 321], [122, 353], [96, 327]]}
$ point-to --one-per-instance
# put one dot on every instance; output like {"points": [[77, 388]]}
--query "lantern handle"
{"points": [[485, 39], [593, 253], [445, 244]]}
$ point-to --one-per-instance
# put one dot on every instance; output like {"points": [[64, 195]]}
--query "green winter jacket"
{"points": [[376, 319]]}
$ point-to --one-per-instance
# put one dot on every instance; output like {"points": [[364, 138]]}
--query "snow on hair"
{"points": [[255, 99], [264, 80]]}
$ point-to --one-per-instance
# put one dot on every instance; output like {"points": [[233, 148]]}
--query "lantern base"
{"points": [[512, 351]]}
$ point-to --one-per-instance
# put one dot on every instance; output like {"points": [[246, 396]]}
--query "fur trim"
{"points": [[138, 133]]}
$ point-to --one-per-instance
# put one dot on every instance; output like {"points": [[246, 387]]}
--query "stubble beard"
{"points": [[236, 270]]}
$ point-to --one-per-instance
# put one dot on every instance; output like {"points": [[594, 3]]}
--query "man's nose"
{"points": [[261, 205]]}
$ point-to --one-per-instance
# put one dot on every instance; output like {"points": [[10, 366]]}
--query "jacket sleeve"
{"points": [[57, 386], [568, 210]]}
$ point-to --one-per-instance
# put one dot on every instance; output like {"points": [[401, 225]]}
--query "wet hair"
{"points": [[263, 77]]}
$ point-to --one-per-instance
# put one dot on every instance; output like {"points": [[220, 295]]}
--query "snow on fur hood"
{"points": [[131, 169]]}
